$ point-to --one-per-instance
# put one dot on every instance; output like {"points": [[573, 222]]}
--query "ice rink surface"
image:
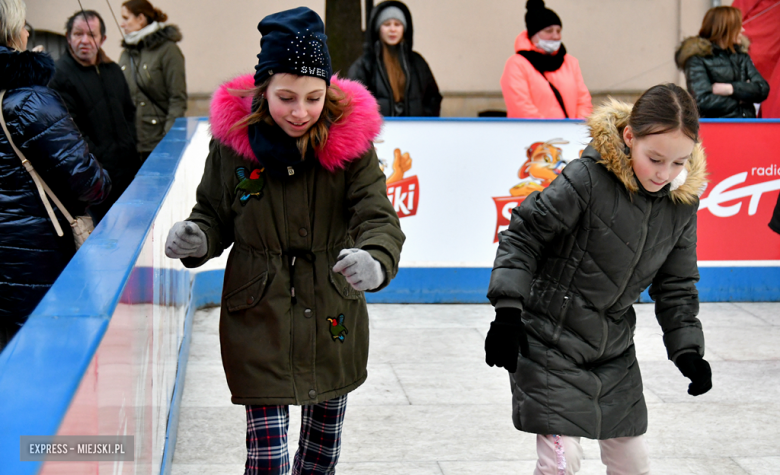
{"points": [[431, 406]]}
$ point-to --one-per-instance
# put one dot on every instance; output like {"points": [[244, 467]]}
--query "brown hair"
{"points": [[722, 26], [336, 103], [664, 108], [143, 7], [395, 73]]}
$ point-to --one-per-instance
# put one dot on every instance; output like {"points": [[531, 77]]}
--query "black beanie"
{"points": [[293, 42], [537, 17]]}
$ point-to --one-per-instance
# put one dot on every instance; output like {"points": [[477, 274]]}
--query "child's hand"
{"points": [[361, 270], [695, 368], [186, 239], [505, 339]]}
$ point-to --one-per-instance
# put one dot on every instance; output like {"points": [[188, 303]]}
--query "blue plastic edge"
{"points": [[469, 285], [42, 367]]}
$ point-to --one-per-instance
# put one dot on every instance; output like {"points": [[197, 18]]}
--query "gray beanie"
{"points": [[390, 13]]}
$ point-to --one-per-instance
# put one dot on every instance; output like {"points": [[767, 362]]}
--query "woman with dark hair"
{"points": [[398, 77], [574, 260], [154, 68], [718, 71], [32, 253], [293, 184]]}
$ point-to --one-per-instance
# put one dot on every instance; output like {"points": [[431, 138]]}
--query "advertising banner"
{"points": [[474, 172]]}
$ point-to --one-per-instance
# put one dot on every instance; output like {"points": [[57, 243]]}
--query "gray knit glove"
{"points": [[186, 239], [362, 271]]}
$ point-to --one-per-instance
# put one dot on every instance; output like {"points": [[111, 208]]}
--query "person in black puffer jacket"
{"points": [[719, 73], [399, 78], [31, 254], [575, 259]]}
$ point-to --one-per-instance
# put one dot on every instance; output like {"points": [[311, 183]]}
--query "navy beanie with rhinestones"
{"points": [[293, 42], [538, 17]]}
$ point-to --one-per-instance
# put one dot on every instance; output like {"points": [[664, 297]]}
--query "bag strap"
{"points": [[43, 188]]}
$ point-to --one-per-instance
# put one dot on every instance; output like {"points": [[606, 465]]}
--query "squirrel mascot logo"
{"points": [[544, 163]]}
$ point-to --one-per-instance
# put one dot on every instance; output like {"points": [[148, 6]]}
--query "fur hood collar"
{"points": [[154, 40], [698, 46], [605, 124], [24, 68], [348, 139]]}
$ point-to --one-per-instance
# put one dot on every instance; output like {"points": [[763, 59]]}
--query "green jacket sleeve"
{"points": [[676, 297], [212, 212], [175, 84], [373, 224], [536, 222]]}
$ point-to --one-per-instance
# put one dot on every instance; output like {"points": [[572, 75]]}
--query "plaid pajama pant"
{"points": [[318, 448]]}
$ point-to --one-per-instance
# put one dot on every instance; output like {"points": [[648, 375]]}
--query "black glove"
{"points": [[695, 368], [505, 337]]}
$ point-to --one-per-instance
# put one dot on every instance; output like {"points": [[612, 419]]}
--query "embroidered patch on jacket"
{"points": [[337, 328], [251, 184]]}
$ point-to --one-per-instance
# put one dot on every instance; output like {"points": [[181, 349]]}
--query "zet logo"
{"points": [[404, 193], [544, 163]]}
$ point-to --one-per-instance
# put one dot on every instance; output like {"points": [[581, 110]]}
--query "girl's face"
{"points": [[295, 102], [391, 32], [130, 22], [658, 159]]}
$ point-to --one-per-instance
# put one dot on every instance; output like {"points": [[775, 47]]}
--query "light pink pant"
{"points": [[562, 455]]}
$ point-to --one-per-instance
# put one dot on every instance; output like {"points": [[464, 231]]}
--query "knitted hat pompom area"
{"points": [[538, 17], [293, 42]]}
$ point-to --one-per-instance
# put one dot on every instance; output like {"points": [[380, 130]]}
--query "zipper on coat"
{"points": [[559, 328], [624, 284]]}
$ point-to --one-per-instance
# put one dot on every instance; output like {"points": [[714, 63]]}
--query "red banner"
{"points": [[404, 194], [743, 161]]}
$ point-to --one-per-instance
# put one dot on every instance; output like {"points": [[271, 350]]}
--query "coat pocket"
{"points": [[247, 295]]}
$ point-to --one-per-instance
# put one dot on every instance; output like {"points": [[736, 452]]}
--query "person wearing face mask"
{"points": [[398, 77], [542, 81], [292, 182], [95, 92]]}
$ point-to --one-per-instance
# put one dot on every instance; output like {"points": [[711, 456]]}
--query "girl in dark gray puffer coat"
{"points": [[573, 261]]}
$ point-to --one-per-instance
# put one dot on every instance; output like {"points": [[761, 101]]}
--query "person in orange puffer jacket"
{"points": [[541, 81]]}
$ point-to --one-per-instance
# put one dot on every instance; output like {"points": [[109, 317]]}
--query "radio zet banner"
{"points": [[476, 171]]}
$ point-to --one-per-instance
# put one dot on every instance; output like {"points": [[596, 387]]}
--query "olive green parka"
{"points": [[154, 69], [576, 257], [276, 349]]}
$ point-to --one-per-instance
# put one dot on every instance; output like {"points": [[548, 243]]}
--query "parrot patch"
{"points": [[250, 184], [337, 328]]}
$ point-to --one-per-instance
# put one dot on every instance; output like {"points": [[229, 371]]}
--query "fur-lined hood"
{"points": [[698, 46], [24, 68], [348, 138], [154, 40], [605, 125]]}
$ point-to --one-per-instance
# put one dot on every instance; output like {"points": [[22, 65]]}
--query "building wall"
{"points": [[623, 46]]}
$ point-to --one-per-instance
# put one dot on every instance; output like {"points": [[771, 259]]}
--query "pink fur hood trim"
{"points": [[348, 139]]}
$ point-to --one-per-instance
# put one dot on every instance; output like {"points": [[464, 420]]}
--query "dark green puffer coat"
{"points": [[578, 255], [705, 63]]}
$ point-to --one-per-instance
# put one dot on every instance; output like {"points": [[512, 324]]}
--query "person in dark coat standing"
{"points": [[398, 77], [154, 68], [96, 94], [31, 254], [718, 71], [292, 182], [575, 259]]}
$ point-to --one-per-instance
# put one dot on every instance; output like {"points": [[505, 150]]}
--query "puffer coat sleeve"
{"points": [[48, 136], [536, 222], [676, 298], [697, 76]]}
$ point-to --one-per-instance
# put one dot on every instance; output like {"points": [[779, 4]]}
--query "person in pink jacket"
{"points": [[541, 81]]}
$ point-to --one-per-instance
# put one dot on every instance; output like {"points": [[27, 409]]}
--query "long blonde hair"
{"points": [[334, 110], [722, 26], [12, 15]]}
